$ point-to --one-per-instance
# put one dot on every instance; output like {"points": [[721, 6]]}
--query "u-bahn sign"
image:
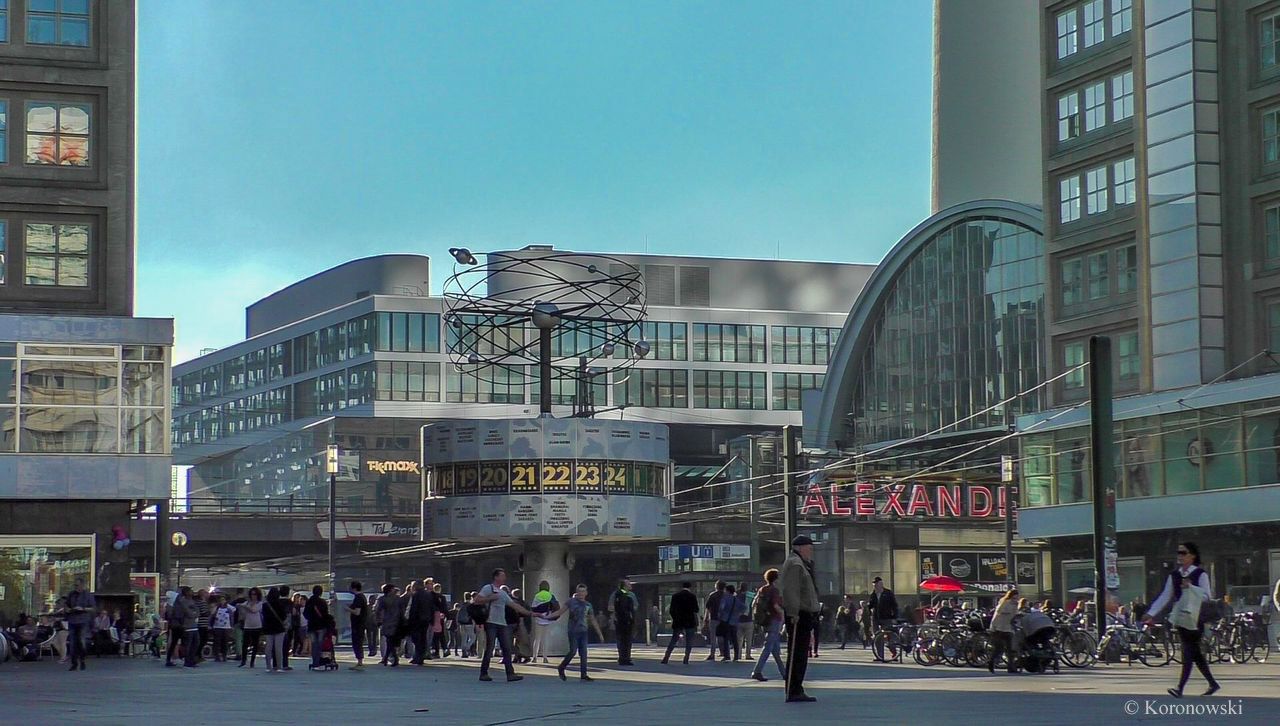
{"points": [[925, 501]]}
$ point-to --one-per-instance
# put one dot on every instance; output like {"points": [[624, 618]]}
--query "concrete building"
{"points": [[1161, 157], [84, 427], [361, 348]]}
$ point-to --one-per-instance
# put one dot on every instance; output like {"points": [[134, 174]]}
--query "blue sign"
{"points": [[703, 552]]}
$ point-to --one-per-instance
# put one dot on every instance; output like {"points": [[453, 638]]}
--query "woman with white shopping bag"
{"points": [[1188, 588]]}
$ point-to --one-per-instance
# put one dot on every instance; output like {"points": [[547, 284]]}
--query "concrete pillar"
{"points": [[545, 560]]}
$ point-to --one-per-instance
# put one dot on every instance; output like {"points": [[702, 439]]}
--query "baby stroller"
{"points": [[1033, 641], [328, 659]]}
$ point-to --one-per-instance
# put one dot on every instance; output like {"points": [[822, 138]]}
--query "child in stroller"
{"points": [[328, 658], [1033, 641]]}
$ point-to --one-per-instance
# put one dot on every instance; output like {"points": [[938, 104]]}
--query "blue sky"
{"points": [[280, 138]]}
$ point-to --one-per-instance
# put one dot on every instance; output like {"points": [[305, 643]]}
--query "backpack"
{"points": [[762, 609]]}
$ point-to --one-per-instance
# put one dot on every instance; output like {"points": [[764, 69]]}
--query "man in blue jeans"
{"points": [[580, 613], [80, 610], [316, 612], [497, 631]]}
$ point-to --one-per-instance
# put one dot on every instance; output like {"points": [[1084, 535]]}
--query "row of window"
{"points": [[55, 133], [53, 255], [1096, 190], [1126, 362], [1089, 108], [1097, 279], [51, 22], [1092, 23], [420, 333]]}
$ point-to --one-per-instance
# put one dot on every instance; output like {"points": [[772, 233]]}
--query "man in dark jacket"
{"points": [[80, 609], [684, 620], [316, 612], [422, 613], [624, 619], [884, 606], [711, 615]]}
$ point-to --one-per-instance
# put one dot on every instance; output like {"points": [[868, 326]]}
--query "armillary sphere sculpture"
{"points": [[585, 307]]}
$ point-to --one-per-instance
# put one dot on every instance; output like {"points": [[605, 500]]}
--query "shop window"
{"points": [[39, 569]]}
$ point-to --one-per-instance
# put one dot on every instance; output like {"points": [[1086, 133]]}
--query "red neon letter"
{"points": [[949, 500], [839, 505], [919, 500], [893, 502], [815, 499], [974, 509], [864, 505]]}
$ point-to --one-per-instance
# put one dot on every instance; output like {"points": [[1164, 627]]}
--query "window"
{"points": [[729, 390], [1127, 270], [1067, 27], [4, 128], [4, 251], [408, 381], [1069, 116], [1095, 25], [1099, 280], [1122, 96], [402, 333], [1122, 180], [4, 21], [1273, 326], [667, 341], [1072, 282], [1069, 196], [58, 133], [803, 345], [651, 388], [787, 388], [1271, 236], [728, 343], [1095, 106], [57, 255], [1121, 17], [481, 384], [1269, 41], [1271, 135], [1096, 186], [1128, 363], [1072, 356], [58, 22]]}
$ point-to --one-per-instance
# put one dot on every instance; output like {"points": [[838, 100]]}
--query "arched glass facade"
{"points": [[956, 331]]}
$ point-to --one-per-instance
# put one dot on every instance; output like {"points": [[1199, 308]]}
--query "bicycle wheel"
{"points": [[927, 652], [1152, 651], [880, 644], [979, 650], [1079, 649], [953, 647], [1240, 644]]}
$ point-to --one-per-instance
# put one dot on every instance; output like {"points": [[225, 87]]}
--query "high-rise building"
{"points": [[84, 417], [1161, 152]]}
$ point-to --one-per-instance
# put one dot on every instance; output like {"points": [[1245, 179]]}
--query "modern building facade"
{"points": [[1160, 154], [939, 355], [358, 355], [84, 424]]}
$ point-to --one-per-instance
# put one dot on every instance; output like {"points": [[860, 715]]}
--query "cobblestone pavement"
{"points": [[849, 687]]}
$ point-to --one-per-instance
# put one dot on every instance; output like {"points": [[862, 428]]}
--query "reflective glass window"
{"points": [[1271, 236], [56, 255], [1127, 269], [1123, 180], [1094, 22], [58, 133], [4, 124], [651, 388], [1271, 135], [1068, 116], [1122, 96], [1099, 280], [1268, 41], [1072, 282], [1095, 106], [1121, 16], [1068, 42], [1069, 199], [58, 22], [1273, 325], [4, 21], [1096, 189]]}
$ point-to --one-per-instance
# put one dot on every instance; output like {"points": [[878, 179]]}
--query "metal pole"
{"points": [[333, 530], [753, 527], [1102, 472], [1006, 473], [544, 371], [163, 542], [788, 482]]}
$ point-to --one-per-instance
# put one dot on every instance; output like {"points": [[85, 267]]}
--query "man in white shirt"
{"points": [[497, 631]]}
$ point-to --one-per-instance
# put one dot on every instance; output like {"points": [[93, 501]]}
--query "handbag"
{"points": [[1186, 611]]}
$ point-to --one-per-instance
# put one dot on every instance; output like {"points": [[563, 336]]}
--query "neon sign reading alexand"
{"points": [[903, 501]]}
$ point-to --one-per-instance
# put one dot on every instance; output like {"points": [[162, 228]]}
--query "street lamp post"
{"points": [[331, 466]]}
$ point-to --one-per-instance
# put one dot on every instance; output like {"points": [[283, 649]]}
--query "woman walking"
{"points": [[1188, 580], [768, 603], [251, 616], [275, 623], [1002, 630], [390, 615]]}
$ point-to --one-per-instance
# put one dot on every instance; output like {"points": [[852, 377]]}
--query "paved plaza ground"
{"points": [[849, 685]]}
